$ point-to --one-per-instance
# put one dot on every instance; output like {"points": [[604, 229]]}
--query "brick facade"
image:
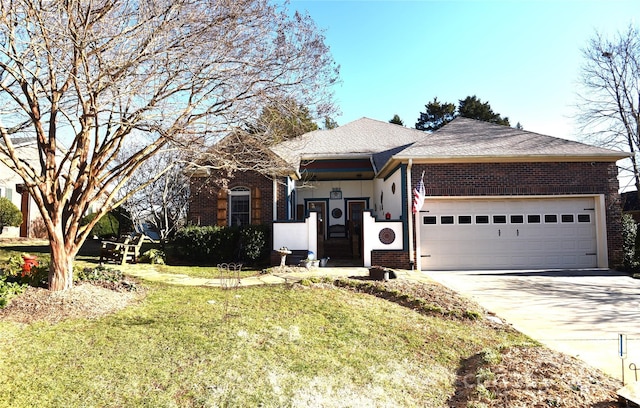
{"points": [[447, 179], [206, 192], [391, 259], [526, 179]]}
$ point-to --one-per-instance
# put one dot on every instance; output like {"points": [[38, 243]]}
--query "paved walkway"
{"points": [[152, 274]]}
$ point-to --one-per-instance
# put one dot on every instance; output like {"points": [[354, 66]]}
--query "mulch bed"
{"points": [[529, 376], [82, 301]]}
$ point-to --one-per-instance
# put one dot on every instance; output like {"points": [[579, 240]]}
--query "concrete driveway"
{"points": [[578, 312]]}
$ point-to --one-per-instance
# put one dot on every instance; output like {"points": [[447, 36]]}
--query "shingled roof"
{"points": [[362, 138], [469, 138], [460, 140]]}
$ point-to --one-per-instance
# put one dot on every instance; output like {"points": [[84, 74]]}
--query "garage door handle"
{"points": [[498, 232], [517, 233]]}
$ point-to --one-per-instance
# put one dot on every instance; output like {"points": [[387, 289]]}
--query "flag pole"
{"points": [[416, 223]]}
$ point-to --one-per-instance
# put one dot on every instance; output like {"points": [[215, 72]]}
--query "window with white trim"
{"points": [[6, 192], [239, 206]]}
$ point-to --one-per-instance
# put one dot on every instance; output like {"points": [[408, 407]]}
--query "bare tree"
{"points": [[87, 76], [610, 103], [161, 204]]}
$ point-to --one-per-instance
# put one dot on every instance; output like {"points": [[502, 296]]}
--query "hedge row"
{"points": [[214, 244]]}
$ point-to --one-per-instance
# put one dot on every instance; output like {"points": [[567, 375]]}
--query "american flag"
{"points": [[419, 194]]}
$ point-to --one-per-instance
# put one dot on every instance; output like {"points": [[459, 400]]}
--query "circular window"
{"points": [[387, 236], [336, 213]]}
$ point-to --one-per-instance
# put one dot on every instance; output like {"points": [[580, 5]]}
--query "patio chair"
{"points": [[125, 249]]}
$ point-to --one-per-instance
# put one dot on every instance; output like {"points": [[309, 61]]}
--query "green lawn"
{"points": [[280, 346], [267, 346]]}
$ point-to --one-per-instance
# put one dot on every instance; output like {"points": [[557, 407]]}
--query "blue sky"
{"points": [[523, 57]]}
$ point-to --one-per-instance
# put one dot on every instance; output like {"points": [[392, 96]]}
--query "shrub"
{"points": [[105, 277], [38, 276], [629, 236], [12, 268], [253, 242], [99, 273], [106, 227], [153, 256], [194, 242], [38, 228], [10, 215], [9, 290], [214, 244]]}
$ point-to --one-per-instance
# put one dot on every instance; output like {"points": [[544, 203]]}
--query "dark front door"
{"points": [[354, 212]]}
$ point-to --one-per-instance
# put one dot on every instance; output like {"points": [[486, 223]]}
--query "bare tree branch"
{"points": [[610, 103], [85, 78]]}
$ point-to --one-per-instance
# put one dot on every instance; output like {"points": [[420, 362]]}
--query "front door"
{"points": [[354, 212]]}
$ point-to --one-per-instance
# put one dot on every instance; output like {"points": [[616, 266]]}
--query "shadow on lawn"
{"points": [[91, 248], [30, 249]]}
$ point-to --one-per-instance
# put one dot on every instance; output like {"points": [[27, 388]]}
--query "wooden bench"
{"points": [[125, 249], [337, 231]]}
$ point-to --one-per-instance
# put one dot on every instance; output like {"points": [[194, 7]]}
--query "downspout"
{"points": [[412, 259]]}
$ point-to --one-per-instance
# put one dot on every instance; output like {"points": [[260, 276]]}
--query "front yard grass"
{"points": [[277, 346]]}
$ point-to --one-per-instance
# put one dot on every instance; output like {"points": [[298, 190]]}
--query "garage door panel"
{"points": [[521, 236]]}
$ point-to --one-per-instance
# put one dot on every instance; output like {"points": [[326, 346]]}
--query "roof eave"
{"points": [[336, 156], [394, 161], [515, 158]]}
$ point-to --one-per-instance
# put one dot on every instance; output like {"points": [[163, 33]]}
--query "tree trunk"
{"points": [[636, 246], [61, 267]]}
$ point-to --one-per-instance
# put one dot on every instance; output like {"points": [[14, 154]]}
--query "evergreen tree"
{"points": [[283, 120], [437, 115], [396, 120], [473, 108], [329, 123]]}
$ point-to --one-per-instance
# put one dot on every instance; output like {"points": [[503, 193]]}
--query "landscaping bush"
{"points": [[153, 256], [10, 215], [9, 290], [214, 244], [253, 242], [629, 244], [195, 242], [11, 271], [107, 226], [106, 277], [38, 276]]}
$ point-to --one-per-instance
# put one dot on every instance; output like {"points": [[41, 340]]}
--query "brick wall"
{"points": [[513, 179], [203, 203], [391, 259]]}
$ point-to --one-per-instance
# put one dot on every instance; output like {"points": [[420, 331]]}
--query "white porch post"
{"points": [[312, 231], [275, 199]]}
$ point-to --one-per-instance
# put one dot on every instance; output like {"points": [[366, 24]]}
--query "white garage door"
{"points": [[508, 234]]}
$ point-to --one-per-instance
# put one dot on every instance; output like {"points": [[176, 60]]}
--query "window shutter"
{"points": [[256, 206], [222, 208]]}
